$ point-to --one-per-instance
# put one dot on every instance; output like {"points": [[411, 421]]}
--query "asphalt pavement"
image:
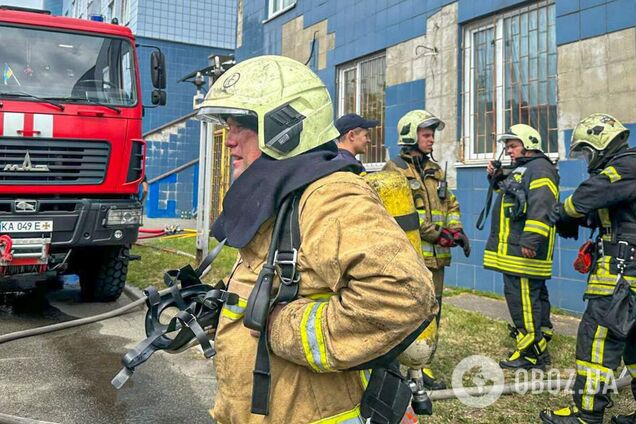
{"points": [[64, 377]]}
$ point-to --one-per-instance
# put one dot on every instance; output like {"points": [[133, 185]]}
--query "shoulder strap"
{"points": [[282, 258], [483, 215], [629, 152], [400, 162]]}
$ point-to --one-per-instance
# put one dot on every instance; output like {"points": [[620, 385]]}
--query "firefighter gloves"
{"points": [[446, 238], [565, 226], [462, 240], [452, 238]]}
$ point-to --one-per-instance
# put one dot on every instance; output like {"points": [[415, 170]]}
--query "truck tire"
{"points": [[103, 275]]}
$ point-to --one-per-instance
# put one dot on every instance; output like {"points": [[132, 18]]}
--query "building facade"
{"points": [[189, 33], [479, 65]]}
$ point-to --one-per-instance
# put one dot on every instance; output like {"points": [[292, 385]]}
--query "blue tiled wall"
{"points": [[367, 26], [400, 99], [172, 196], [580, 19], [181, 59], [567, 285], [361, 28], [472, 9], [54, 6], [202, 22]]}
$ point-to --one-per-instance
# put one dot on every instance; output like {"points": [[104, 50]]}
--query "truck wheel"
{"points": [[105, 276]]}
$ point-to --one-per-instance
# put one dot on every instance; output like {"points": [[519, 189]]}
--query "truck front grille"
{"points": [[52, 162]]}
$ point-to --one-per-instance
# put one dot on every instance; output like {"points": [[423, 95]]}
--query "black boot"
{"points": [[523, 360], [624, 419], [570, 415], [513, 332], [430, 382], [545, 358]]}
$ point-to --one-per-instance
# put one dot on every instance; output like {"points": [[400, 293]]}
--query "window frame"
{"points": [[273, 12], [468, 55], [126, 15], [356, 65]]}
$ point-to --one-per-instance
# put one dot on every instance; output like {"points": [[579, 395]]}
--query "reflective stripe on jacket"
{"points": [[434, 212], [538, 178], [609, 199], [363, 289]]}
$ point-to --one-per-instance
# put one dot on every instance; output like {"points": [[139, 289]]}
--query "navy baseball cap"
{"points": [[352, 121]]}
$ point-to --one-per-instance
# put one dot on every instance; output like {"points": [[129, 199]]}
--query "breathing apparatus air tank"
{"points": [[395, 193]]}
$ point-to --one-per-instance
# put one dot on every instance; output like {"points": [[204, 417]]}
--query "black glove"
{"points": [[566, 227], [461, 239], [557, 214]]}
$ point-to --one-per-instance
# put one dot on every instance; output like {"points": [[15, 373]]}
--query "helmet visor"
{"points": [[433, 122], [508, 136], [584, 152], [220, 115]]}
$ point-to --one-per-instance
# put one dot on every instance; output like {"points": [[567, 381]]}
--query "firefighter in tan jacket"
{"points": [[437, 206], [363, 290]]}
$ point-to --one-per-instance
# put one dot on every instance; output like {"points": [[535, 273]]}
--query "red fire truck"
{"points": [[71, 153]]}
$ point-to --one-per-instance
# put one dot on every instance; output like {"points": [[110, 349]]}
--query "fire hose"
{"points": [[510, 388], [6, 244]]}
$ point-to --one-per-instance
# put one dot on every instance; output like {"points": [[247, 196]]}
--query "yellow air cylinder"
{"points": [[395, 193]]}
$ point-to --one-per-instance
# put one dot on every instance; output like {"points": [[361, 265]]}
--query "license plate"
{"points": [[26, 226]]}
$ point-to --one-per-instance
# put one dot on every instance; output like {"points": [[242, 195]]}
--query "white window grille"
{"points": [[510, 77], [360, 88]]}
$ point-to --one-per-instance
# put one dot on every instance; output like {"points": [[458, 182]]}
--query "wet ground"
{"points": [[64, 377]]}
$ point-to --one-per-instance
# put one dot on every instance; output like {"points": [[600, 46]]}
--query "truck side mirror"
{"points": [[158, 97], [158, 69]]}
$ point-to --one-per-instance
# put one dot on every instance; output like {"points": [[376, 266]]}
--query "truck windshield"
{"points": [[67, 66]]}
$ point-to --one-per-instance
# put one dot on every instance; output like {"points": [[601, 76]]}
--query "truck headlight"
{"points": [[123, 217]]}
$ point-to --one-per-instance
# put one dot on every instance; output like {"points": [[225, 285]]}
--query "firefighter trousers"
{"points": [[529, 306], [598, 354], [438, 282]]}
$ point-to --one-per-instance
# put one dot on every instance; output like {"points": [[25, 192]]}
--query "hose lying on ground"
{"points": [[11, 419], [74, 323], [167, 250]]}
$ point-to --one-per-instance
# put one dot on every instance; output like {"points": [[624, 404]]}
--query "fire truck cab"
{"points": [[71, 152]]}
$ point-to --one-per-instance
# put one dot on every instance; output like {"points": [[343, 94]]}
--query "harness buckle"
{"points": [[621, 254], [294, 275]]}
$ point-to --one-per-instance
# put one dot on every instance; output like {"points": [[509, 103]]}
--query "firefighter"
{"points": [[605, 201], [363, 292], [521, 242], [438, 209]]}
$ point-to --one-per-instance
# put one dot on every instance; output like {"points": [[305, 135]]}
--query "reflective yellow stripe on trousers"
{"points": [[594, 370], [528, 322]]}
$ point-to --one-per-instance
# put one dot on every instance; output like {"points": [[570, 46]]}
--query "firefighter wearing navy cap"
{"points": [[354, 136], [606, 201], [521, 242], [438, 208]]}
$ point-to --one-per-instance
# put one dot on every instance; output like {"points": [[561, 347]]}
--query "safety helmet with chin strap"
{"points": [[529, 137], [290, 104], [596, 138], [408, 124]]}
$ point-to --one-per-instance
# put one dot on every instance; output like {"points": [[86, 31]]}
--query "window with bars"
{"points": [[510, 77], [360, 87]]}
